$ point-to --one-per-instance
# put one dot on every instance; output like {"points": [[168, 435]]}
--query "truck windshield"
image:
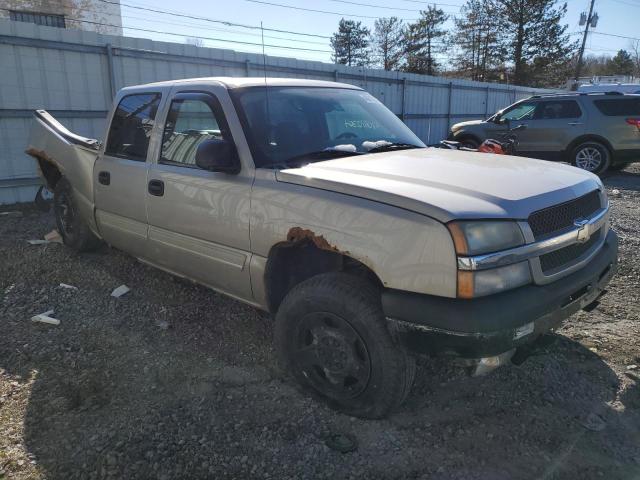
{"points": [[290, 126]]}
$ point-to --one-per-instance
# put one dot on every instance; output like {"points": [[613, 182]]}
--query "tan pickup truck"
{"points": [[312, 201]]}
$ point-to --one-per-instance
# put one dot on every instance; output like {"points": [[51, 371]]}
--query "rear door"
{"points": [[198, 219], [120, 174], [555, 123]]}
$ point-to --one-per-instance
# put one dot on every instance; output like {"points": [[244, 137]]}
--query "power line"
{"points": [[199, 36], [319, 11], [207, 19], [396, 8]]}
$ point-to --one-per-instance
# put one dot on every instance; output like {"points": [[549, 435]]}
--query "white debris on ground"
{"points": [[120, 291], [68, 287], [46, 318]]}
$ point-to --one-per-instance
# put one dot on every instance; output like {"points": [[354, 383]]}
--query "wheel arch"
{"points": [[589, 137], [291, 262]]}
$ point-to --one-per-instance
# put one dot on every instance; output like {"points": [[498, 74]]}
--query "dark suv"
{"points": [[595, 132]]}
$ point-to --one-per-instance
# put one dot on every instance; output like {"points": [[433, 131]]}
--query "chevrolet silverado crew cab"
{"points": [[592, 131], [312, 201]]}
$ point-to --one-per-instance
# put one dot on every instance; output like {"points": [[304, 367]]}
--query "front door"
{"points": [[554, 125], [198, 219], [120, 174]]}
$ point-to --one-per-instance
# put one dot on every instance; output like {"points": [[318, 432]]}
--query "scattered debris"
{"points": [[38, 242], [632, 367], [67, 286], [163, 324], [594, 422], [46, 318], [53, 236], [12, 213], [343, 443], [615, 192], [120, 291]]}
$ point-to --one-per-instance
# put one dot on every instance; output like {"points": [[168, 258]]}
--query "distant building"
{"points": [[91, 15]]}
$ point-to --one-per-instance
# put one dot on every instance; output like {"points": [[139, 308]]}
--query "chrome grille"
{"points": [[567, 255], [549, 220]]}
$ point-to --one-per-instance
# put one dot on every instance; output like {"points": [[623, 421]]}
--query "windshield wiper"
{"points": [[325, 154], [393, 146]]}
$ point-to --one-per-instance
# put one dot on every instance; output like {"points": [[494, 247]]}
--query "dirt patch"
{"points": [[174, 381]]}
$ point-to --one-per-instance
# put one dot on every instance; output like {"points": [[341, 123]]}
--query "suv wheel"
{"points": [[591, 156], [75, 232], [331, 335], [469, 142]]}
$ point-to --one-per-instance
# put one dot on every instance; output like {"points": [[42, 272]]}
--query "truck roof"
{"points": [[239, 82]]}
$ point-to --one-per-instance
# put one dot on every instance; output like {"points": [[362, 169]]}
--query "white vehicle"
{"points": [[610, 87], [312, 201]]}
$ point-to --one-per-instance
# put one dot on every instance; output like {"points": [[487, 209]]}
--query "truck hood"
{"points": [[449, 184]]}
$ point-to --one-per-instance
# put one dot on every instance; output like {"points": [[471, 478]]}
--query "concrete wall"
{"points": [[74, 75]]}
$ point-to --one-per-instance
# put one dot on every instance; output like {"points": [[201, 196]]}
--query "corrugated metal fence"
{"points": [[75, 74]]}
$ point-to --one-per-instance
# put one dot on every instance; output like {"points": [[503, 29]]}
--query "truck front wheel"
{"points": [[331, 335], [74, 231]]}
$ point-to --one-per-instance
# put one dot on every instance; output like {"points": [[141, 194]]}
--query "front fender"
{"points": [[406, 250]]}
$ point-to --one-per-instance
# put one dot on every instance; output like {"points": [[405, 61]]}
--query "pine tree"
{"points": [[387, 41], [350, 43], [423, 40], [621, 64], [533, 40], [477, 41]]}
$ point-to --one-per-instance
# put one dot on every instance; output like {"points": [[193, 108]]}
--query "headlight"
{"points": [[477, 236], [478, 283]]}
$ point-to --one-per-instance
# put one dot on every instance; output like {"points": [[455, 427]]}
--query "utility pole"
{"points": [[590, 18]]}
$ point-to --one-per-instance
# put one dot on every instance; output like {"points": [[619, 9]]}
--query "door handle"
{"points": [[573, 124], [104, 178], [156, 187]]}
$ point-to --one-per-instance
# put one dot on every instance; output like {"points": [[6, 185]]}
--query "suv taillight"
{"points": [[634, 121]]}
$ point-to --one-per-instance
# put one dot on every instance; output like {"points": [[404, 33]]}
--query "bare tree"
{"points": [[195, 41], [634, 47]]}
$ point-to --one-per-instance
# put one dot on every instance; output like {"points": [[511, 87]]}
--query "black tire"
{"points": [[74, 231], [591, 156], [331, 335], [469, 142]]}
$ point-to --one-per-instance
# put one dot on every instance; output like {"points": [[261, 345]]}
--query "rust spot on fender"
{"points": [[297, 234]]}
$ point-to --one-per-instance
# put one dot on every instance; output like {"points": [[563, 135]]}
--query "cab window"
{"points": [[132, 125], [192, 119]]}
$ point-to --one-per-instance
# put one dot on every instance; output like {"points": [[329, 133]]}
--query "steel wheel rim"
{"points": [[589, 158], [331, 355]]}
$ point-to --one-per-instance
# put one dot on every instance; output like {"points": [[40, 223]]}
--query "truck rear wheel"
{"points": [[331, 335], [74, 231]]}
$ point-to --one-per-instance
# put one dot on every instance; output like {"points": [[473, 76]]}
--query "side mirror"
{"points": [[217, 155]]}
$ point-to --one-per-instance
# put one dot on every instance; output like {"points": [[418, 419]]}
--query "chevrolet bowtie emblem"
{"points": [[583, 230]]}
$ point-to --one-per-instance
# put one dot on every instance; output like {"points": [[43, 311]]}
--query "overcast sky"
{"points": [[618, 17]]}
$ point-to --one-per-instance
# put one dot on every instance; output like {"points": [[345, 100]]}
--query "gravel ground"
{"points": [[174, 381]]}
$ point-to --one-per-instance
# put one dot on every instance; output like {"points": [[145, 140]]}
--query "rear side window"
{"points": [[131, 126], [619, 107], [558, 109]]}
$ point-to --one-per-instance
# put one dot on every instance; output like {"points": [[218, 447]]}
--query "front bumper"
{"points": [[491, 325]]}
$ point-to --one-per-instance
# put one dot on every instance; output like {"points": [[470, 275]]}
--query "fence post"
{"points": [[449, 107], [486, 104], [404, 95], [247, 66], [110, 67], [335, 75]]}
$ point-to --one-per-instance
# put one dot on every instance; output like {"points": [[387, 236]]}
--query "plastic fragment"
{"points": [[46, 318], [120, 291], [67, 286], [53, 236]]}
